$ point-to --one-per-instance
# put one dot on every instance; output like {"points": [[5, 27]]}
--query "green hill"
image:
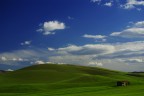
{"points": [[53, 73], [65, 80]]}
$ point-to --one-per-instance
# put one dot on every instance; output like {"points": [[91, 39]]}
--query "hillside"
{"points": [[54, 78], [52, 73]]}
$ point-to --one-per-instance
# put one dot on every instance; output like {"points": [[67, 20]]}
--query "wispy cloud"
{"points": [[136, 31], [96, 1], [8, 58], [139, 24], [94, 36], [128, 4], [133, 60], [94, 63], [98, 38], [70, 18], [88, 49], [39, 62], [3, 58], [131, 4], [125, 50], [51, 49], [109, 4], [18, 56], [9, 70], [26, 43], [130, 33]]}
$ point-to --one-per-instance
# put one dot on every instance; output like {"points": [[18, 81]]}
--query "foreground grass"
{"points": [[84, 91], [68, 80]]}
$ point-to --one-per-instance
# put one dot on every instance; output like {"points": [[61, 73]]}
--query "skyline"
{"points": [[103, 33]]}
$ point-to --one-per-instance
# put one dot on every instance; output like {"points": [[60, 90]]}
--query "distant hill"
{"points": [[2, 71], [52, 73]]}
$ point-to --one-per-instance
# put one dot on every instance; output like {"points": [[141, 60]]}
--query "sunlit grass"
{"points": [[68, 80]]}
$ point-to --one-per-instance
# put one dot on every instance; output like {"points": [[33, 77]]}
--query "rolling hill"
{"points": [[67, 80]]}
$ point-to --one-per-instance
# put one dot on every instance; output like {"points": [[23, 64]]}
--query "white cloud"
{"points": [[51, 49], [9, 58], [98, 38], [3, 58], [125, 50], [14, 59], [128, 4], [133, 60], [95, 1], [49, 27], [94, 36], [48, 33], [20, 59], [26, 43], [27, 56], [53, 25], [9, 70], [89, 49], [49, 62], [61, 63], [131, 4], [19, 56], [139, 24], [39, 62], [130, 46], [109, 4], [136, 31], [94, 63], [71, 59], [130, 33], [17, 59], [115, 34], [42, 62]]}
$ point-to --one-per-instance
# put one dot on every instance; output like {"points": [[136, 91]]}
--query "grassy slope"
{"points": [[68, 80]]}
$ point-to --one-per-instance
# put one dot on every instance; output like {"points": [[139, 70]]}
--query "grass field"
{"points": [[69, 80]]}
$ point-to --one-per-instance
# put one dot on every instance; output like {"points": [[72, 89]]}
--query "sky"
{"points": [[99, 33]]}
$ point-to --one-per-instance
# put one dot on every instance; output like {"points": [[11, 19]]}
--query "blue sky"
{"points": [[103, 33]]}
